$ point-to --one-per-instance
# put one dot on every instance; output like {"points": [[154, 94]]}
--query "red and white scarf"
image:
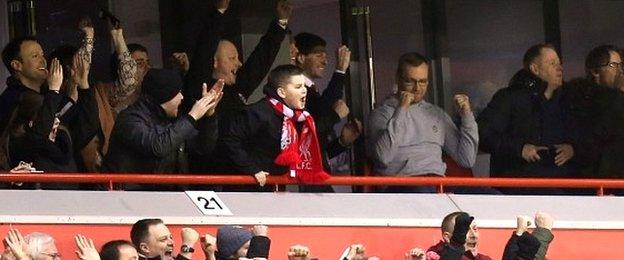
{"points": [[300, 151]]}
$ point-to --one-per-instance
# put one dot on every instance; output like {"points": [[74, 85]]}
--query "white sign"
{"points": [[209, 203]]}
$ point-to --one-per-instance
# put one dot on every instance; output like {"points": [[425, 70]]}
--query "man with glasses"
{"points": [[526, 127], [599, 108], [408, 134]]}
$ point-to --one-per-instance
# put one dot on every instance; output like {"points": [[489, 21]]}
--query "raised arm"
{"points": [[462, 144]]}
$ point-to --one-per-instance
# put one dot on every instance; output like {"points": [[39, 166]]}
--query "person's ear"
{"points": [[300, 58], [534, 69], [214, 63], [446, 236], [16, 65], [143, 248], [595, 74], [281, 92]]}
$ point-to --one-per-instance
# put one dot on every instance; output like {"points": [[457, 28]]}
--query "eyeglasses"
{"points": [[615, 65]]}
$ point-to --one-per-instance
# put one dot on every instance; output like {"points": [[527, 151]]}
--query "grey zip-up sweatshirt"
{"points": [[409, 142]]}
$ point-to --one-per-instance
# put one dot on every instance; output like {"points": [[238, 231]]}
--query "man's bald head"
{"points": [[226, 62]]}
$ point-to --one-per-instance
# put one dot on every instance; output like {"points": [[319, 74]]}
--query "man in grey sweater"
{"points": [[408, 134]]}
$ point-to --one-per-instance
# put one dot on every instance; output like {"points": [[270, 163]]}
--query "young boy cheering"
{"points": [[276, 135]]}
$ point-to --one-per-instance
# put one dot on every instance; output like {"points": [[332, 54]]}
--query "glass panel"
{"points": [[586, 24], [486, 41]]}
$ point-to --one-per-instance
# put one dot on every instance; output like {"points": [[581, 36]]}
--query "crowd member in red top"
{"points": [[472, 238]]}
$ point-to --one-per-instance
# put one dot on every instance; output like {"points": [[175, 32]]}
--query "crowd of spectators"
{"points": [[197, 118], [150, 239]]}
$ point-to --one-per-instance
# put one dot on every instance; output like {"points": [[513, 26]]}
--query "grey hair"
{"points": [[36, 242]]}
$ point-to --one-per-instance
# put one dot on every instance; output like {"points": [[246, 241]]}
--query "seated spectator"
{"points": [[526, 126], [276, 135], [472, 238], [152, 240], [408, 134], [597, 102], [118, 250], [149, 136]]}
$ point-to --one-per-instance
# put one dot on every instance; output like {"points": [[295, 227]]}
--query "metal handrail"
{"points": [[439, 182]]}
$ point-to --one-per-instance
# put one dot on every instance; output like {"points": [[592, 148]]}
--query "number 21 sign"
{"points": [[209, 203]]}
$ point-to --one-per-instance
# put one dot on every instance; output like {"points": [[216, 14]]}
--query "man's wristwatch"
{"points": [[187, 249]]}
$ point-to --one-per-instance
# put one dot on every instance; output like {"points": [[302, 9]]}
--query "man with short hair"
{"points": [[153, 240], [25, 60], [327, 108], [119, 250], [472, 238], [216, 57], [526, 126], [408, 134]]}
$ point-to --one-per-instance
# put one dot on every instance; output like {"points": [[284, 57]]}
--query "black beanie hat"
{"points": [[162, 84]]}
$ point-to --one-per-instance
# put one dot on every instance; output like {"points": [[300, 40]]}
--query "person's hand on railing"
{"points": [[261, 177]]}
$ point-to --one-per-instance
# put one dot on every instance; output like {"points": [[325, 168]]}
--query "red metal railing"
{"points": [[440, 182]]}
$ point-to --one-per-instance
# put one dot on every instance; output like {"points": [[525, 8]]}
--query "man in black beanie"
{"points": [[149, 136]]}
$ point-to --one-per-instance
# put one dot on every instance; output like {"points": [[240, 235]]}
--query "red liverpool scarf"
{"points": [[300, 152]]}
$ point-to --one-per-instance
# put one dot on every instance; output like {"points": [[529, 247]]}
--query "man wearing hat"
{"points": [[234, 242], [149, 136]]}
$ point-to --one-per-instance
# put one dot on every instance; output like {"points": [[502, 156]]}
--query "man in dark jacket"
{"points": [[526, 126], [150, 137], [597, 102], [216, 57]]}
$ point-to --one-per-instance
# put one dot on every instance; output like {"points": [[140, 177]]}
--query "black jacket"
{"points": [[34, 145], [145, 140], [252, 141], [523, 247], [516, 116], [600, 113]]}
